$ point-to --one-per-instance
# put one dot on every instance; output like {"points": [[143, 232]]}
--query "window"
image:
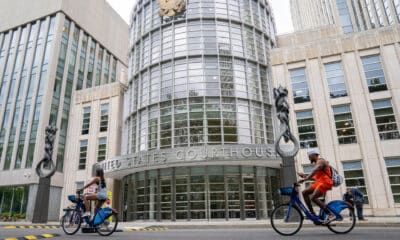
{"points": [[299, 85], [104, 117], [344, 16], [397, 8], [385, 120], [99, 66], [86, 120], [379, 14], [344, 125], [82, 154], [374, 73], [388, 13], [80, 185], [306, 128], [393, 169], [336, 81], [307, 169], [354, 176], [89, 77], [102, 149]]}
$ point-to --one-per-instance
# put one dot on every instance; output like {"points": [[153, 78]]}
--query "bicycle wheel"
{"points": [[286, 221], [344, 225], [71, 222], [108, 226]]}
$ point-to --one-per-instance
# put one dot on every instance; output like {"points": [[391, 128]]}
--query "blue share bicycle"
{"points": [[104, 222], [287, 219]]}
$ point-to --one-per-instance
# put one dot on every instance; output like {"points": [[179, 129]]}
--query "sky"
{"points": [[280, 7]]}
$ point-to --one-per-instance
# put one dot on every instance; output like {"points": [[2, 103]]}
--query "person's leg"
{"points": [[315, 198], [359, 207], [306, 196], [86, 200]]}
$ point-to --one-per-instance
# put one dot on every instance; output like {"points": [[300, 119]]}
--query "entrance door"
{"points": [[166, 197], [233, 196], [198, 197], [249, 196], [217, 196]]}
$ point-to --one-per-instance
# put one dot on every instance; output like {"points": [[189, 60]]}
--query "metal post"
{"points": [[287, 155], [41, 210]]}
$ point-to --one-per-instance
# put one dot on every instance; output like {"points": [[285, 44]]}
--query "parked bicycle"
{"points": [[287, 219], [104, 222]]}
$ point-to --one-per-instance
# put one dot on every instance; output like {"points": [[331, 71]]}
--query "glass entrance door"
{"points": [[198, 204], [233, 196], [181, 203], [249, 196], [217, 196]]}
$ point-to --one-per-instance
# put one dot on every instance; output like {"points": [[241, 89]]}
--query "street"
{"points": [[220, 234]]}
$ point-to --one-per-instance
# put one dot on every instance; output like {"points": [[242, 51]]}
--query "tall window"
{"points": [[306, 128], [344, 125], [374, 73], [336, 81], [344, 16], [354, 176], [379, 14], [393, 169], [299, 85], [104, 117], [86, 120], [385, 120], [102, 149], [82, 154], [397, 8], [388, 12]]}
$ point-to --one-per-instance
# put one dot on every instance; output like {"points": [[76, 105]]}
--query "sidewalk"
{"points": [[220, 224]]}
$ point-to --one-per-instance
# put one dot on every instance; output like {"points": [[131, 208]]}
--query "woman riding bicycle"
{"points": [[101, 193]]}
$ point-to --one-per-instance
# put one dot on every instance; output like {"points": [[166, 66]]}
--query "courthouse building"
{"points": [[198, 131], [344, 96], [51, 53]]}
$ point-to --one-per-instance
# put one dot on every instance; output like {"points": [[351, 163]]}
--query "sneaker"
{"points": [[362, 219], [86, 214]]}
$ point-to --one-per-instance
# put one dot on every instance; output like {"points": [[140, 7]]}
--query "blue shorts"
{"points": [[102, 194]]}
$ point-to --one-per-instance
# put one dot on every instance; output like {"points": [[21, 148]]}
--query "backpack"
{"points": [[336, 177]]}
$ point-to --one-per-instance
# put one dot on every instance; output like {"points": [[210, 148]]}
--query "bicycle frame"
{"points": [[80, 207], [295, 201]]}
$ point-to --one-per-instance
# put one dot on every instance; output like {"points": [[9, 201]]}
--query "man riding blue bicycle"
{"points": [[321, 174]]}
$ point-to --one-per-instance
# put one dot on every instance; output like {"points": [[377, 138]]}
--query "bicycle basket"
{"points": [[286, 191], [72, 198]]}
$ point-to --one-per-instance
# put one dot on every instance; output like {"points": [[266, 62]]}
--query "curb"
{"points": [[137, 229], [253, 226], [30, 226], [42, 236]]}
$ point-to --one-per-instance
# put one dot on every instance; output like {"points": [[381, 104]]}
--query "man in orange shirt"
{"points": [[321, 174]]}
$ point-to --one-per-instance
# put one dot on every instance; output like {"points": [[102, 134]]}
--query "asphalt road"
{"points": [[364, 233]]}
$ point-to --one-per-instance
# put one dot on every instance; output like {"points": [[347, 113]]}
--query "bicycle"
{"points": [[104, 222], [287, 219]]}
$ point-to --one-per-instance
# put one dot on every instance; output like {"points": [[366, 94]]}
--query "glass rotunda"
{"points": [[198, 130]]}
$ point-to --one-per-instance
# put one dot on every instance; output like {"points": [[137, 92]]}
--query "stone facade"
{"points": [[370, 152]]}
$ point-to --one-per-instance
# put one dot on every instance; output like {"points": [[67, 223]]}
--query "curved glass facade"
{"points": [[198, 79], [213, 192], [202, 78]]}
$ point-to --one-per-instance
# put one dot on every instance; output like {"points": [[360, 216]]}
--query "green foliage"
{"points": [[5, 215]]}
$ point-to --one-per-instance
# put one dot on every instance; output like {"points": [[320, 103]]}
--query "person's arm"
{"points": [[96, 179], [320, 166]]}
